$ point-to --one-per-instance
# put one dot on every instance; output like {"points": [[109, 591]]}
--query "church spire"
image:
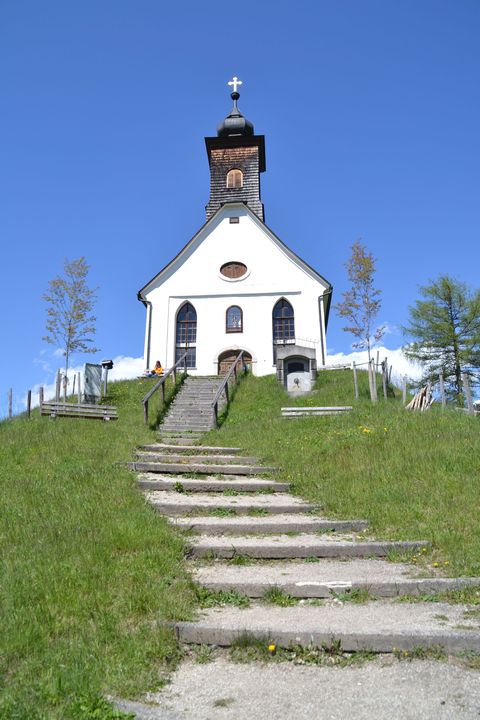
{"points": [[236, 157]]}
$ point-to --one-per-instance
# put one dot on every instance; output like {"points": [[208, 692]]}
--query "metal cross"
{"points": [[235, 82]]}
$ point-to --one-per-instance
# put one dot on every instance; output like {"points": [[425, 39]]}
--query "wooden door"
{"points": [[227, 358]]}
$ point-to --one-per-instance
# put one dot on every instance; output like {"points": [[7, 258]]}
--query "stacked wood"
{"points": [[422, 400]]}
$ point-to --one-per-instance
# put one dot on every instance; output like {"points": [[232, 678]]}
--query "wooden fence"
{"points": [[382, 370]]}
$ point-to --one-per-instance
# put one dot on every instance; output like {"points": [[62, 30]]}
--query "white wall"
{"points": [[196, 277]]}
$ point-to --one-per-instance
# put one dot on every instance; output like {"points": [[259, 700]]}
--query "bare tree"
{"points": [[361, 303], [70, 323]]}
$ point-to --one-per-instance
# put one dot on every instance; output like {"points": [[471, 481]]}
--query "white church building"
{"points": [[235, 285]]}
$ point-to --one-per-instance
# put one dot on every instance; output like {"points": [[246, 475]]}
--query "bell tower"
{"points": [[236, 157]]}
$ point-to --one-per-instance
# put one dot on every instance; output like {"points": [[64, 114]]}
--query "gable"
{"points": [[271, 265]]}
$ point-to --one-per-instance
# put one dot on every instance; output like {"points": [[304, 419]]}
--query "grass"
{"points": [[247, 648], [412, 476], [209, 598], [462, 596], [86, 567], [357, 596], [276, 596]]}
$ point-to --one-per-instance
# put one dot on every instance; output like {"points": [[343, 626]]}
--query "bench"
{"points": [[95, 412], [294, 411]]}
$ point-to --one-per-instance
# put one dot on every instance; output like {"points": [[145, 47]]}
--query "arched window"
{"points": [[234, 319], [186, 334], [234, 179], [283, 325]]}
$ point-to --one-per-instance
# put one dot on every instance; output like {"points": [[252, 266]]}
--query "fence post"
{"points": [[145, 412], [57, 386], [29, 404], [442, 391], [468, 394], [373, 386], [79, 390], [355, 379], [384, 377], [404, 390], [378, 361], [40, 396], [163, 393], [10, 402]]}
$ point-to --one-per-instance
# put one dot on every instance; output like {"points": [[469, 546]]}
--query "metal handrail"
{"points": [[161, 383], [224, 386]]}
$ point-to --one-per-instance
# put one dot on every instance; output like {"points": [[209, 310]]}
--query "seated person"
{"points": [[157, 370]]}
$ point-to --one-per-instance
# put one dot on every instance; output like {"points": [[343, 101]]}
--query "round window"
{"points": [[233, 270]]}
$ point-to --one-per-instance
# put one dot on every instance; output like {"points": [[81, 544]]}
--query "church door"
{"points": [[227, 358]]}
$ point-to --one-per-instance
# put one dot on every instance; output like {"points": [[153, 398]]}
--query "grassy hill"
{"points": [[87, 566], [412, 475]]}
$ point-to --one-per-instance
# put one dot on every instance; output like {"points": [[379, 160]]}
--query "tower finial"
{"points": [[235, 82]]}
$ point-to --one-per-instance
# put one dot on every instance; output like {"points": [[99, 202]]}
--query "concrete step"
{"points": [[198, 467], [193, 401], [181, 423], [181, 439], [188, 434], [174, 432], [181, 427], [381, 626], [197, 416], [326, 578], [206, 449], [210, 484], [188, 459], [300, 546], [185, 428], [191, 440], [297, 523], [174, 503]]}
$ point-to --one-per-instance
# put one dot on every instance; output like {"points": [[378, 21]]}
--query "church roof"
{"points": [[288, 251]]}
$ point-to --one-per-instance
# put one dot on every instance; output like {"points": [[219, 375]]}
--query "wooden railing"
{"points": [[224, 387], [161, 384]]}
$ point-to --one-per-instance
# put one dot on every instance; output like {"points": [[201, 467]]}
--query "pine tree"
{"points": [[445, 332], [362, 302], [70, 323]]}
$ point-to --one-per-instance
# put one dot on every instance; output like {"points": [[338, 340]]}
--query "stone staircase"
{"points": [[248, 534], [191, 412]]}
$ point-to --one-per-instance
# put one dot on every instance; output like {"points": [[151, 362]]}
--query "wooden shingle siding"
{"points": [[245, 159]]}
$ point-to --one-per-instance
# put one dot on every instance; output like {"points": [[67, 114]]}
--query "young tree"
{"points": [[445, 332], [70, 323], [362, 302]]}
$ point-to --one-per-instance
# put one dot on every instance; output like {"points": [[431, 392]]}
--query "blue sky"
{"points": [[371, 113]]}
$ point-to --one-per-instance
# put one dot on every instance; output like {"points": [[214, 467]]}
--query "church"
{"points": [[235, 286]]}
